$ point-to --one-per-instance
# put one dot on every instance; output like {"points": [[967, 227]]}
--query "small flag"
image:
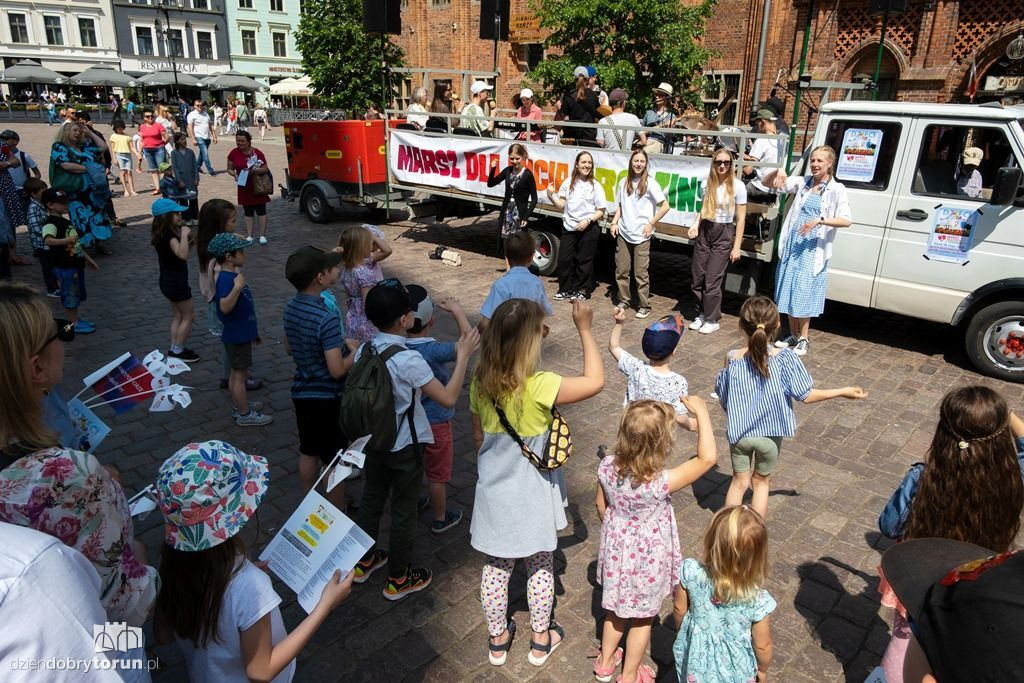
{"points": [[123, 384], [972, 81]]}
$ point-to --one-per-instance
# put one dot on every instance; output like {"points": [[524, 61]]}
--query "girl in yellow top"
{"points": [[121, 146], [518, 509]]}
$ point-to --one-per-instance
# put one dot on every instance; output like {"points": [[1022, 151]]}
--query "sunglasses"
{"points": [[65, 332], [723, 162]]}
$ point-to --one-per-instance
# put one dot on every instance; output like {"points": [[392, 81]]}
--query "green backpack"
{"points": [[368, 402]]}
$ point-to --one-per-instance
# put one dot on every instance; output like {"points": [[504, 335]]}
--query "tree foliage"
{"points": [[633, 44], [342, 61]]}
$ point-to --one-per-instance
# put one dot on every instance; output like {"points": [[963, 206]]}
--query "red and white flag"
{"points": [[972, 81]]}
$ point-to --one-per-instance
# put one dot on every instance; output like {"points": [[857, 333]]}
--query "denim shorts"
{"points": [[72, 286], [154, 157], [124, 161]]}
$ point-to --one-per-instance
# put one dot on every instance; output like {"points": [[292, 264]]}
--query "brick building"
{"points": [[926, 57]]}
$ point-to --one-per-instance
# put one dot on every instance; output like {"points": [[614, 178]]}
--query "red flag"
{"points": [[972, 82]]}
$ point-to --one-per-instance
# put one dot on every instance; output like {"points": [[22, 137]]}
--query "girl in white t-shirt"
{"points": [[717, 239], [583, 205], [640, 204], [222, 608]]}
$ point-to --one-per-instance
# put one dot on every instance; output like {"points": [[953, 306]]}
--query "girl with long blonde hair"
{"points": [[518, 508], [721, 605], [717, 239], [362, 249], [640, 551]]}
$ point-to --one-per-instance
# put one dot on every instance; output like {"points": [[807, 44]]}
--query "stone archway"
{"points": [[863, 61]]}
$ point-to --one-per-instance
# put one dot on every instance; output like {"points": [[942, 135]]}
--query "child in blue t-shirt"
{"points": [[237, 313], [437, 457]]}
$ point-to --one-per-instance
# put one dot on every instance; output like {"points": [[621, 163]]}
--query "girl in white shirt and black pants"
{"points": [[582, 202], [718, 237], [640, 204]]}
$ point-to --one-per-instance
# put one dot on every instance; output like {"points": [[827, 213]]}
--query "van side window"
{"points": [[961, 161], [865, 151]]}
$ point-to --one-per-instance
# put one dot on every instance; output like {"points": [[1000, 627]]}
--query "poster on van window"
{"points": [[950, 239], [858, 156]]}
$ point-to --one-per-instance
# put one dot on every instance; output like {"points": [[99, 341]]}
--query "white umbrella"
{"points": [[166, 77], [102, 74], [293, 87], [27, 71]]}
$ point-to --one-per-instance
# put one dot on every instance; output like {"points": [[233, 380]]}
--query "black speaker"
{"points": [[382, 16], [494, 15], [878, 7]]}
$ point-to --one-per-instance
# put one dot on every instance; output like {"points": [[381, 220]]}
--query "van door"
{"points": [[869, 154], [945, 239]]}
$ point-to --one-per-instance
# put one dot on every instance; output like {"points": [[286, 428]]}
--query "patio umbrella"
{"points": [[232, 80], [165, 77], [102, 74], [293, 86], [28, 71]]}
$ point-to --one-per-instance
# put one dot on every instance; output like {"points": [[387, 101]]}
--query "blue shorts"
{"points": [[72, 286], [154, 157], [124, 161]]}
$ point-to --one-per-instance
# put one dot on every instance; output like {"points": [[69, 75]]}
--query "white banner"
{"points": [[463, 164]]}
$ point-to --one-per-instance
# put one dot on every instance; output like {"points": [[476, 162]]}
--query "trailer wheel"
{"points": [[995, 340], [546, 255], [315, 205]]}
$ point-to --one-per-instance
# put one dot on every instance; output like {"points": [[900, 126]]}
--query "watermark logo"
{"points": [[116, 637]]}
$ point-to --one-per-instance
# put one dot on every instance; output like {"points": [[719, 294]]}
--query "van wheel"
{"points": [[315, 205], [995, 340], [546, 255]]}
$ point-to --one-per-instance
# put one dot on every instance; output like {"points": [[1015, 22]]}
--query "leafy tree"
{"points": [[342, 61], [633, 44]]}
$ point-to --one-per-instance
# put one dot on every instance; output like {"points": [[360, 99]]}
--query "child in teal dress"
{"points": [[725, 636]]}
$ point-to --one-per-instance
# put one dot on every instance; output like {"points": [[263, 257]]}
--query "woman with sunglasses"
{"points": [[57, 490], [717, 238], [154, 137]]}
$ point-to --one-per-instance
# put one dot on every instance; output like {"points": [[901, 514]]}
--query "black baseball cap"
{"points": [[54, 195], [305, 262], [386, 302], [966, 606]]}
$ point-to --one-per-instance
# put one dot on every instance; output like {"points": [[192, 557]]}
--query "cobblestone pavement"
{"points": [[831, 483]]}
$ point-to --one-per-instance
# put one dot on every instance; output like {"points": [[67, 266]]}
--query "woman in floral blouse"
{"points": [[59, 491]]}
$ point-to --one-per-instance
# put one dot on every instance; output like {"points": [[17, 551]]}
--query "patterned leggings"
{"points": [[540, 591]]}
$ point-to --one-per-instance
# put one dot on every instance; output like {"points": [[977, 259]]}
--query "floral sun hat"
{"points": [[207, 492]]}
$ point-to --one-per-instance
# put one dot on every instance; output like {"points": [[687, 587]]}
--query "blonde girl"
{"points": [[639, 554], [519, 509], [725, 632], [582, 202], [717, 239], [639, 204], [362, 249], [756, 389]]}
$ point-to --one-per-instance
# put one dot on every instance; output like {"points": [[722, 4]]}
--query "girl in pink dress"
{"points": [[639, 556], [362, 249]]}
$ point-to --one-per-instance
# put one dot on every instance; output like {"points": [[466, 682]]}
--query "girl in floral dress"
{"points": [[639, 540], [362, 249], [725, 635]]}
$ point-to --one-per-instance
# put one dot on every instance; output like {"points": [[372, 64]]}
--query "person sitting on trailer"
{"points": [[474, 116]]}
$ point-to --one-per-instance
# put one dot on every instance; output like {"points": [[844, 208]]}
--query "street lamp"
{"points": [[164, 30]]}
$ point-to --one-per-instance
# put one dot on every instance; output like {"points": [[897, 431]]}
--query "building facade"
{"points": [[261, 38], [149, 32], [67, 36]]}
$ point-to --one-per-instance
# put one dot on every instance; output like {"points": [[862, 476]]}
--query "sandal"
{"points": [[499, 653], [546, 649], [644, 674], [605, 675]]}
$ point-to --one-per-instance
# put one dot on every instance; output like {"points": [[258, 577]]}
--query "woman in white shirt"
{"points": [[641, 204], [419, 106], [718, 236], [582, 203], [805, 243]]}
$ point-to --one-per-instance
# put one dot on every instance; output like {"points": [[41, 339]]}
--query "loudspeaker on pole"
{"points": [[382, 16], [494, 19]]}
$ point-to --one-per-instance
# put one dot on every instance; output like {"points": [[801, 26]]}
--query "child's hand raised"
{"points": [[468, 342], [855, 393], [336, 591], [619, 314], [582, 315], [694, 404], [239, 279], [448, 304]]}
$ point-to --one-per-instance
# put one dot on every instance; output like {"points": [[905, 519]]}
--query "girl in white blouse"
{"points": [[583, 204]]}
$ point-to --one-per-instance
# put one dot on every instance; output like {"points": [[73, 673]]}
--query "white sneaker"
{"points": [[708, 328], [263, 239], [697, 323], [253, 418], [786, 342], [801, 346]]}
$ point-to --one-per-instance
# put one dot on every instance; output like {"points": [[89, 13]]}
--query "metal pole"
{"points": [[803, 64], [881, 47], [760, 51]]}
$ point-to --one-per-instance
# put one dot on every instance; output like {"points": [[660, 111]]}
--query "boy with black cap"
{"points": [[437, 456], [68, 258], [313, 339], [400, 471], [654, 379]]}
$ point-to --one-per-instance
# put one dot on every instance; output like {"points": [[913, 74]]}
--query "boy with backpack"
{"points": [[382, 398]]}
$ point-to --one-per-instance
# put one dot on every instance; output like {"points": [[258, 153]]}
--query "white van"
{"points": [[921, 244]]}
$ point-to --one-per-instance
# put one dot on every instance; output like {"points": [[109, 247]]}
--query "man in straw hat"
{"points": [[661, 116]]}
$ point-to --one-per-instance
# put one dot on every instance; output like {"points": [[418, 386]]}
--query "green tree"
{"points": [[633, 44], [342, 61]]}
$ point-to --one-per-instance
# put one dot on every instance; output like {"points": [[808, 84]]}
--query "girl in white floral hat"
{"points": [[220, 607]]}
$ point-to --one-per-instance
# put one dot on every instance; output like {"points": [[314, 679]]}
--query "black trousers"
{"points": [[576, 259], [399, 474], [710, 259]]}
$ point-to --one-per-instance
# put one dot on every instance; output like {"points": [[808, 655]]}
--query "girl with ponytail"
{"points": [[756, 389]]}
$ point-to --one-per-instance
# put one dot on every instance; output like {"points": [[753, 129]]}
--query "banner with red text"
{"points": [[462, 164]]}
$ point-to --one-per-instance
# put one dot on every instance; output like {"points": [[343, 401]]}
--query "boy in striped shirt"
{"points": [[313, 338]]}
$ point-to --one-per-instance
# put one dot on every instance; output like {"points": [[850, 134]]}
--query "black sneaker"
{"points": [[186, 355], [786, 342], [451, 519], [562, 296], [368, 565], [414, 581]]}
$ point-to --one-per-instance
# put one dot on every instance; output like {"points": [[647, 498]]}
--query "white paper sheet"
{"points": [[243, 177]]}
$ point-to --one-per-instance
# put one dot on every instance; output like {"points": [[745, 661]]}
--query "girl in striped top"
{"points": [[756, 389]]}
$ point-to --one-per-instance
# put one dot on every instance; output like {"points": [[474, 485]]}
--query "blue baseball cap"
{"points": [[223, 243], [163, 206], [662, 336]]}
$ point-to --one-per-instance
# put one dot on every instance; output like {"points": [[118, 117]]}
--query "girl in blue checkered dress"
{"points": [[820, 206]]}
